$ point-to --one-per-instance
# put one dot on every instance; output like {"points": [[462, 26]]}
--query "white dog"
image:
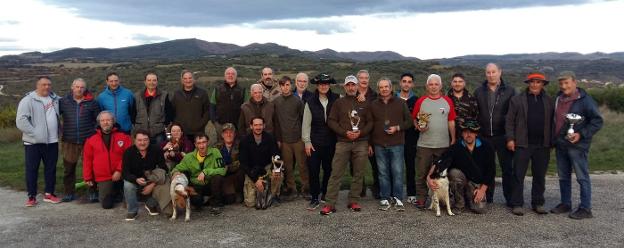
{"points": [[180, 196], [442, 193]]}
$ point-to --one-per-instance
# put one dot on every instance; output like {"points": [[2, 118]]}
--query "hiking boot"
{"points": [[581, 213], [411, 199], [151, 210], [354, 206], [314, 204], [68, 198], [93, 197], [517, 211], [398, 205], [420, 204], [51, 198], [327, 210], [539, 209], [31, 202], [561, 208], [384, 205], [131, 216]]}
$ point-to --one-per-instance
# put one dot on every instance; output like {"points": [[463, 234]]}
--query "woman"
{"points": [[176, 145]]}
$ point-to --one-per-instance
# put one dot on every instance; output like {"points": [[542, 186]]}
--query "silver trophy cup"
{"points": [[572, 120], [355, 120]]}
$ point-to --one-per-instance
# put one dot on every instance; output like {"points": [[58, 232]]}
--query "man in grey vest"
{"points": [[152, 110]]}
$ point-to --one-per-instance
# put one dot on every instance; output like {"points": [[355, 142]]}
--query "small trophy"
{"points": [[572, 119], [387, 126], [278, 164], [423, 119], [355, 120], [168, 135]]}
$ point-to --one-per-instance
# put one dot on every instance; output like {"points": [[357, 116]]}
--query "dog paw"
{"points": [[451, 214], [172, 218], [187, 219]]}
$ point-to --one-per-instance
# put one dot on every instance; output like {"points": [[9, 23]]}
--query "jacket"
{"points": [[319, 132], [516, 124], [31, 118], [134, 165], [592, 122], [478, 165], [288, 117], [272, 93], [305, 97], [157, 117], [212, 166], [251, 109], [396, 113], [411, 134], [192, 111], [493, 120], [227, 101], [254, 158], [78, 118], [99, 163], [339, 120], [120, 102]]}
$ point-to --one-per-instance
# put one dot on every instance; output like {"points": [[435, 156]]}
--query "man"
{"points": [[471, 169], [351, 120], [38, 119], [437, 135], [319, 139], [227, 99], [191, 106], [102, 159], [143, 168], [256, 152], [390, 118], [205, 169], [528, 129], [572, 149], [78, 110], [270, 90], [232, 187], [257, 105], [288, 115], [117, 100], [301, 87], [465, 104], [152, 109], [406, 94], [493, 100], [366, 94]]}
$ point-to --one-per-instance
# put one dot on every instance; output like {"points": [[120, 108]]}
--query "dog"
{"points": [[264, 199], [180, 196], [442, 193]]}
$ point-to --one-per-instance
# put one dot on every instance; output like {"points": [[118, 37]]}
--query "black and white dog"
{"points": [[442, 193], [265, 198]]}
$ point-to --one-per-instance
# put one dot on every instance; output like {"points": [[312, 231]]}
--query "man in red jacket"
{"points": [[102, 155]]}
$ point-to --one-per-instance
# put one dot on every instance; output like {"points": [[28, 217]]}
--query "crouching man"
{"points": [[471, 169], [143, 169], [205, 170], [234, 178]]}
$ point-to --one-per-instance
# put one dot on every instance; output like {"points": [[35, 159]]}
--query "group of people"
{"points": [[132, 143]]}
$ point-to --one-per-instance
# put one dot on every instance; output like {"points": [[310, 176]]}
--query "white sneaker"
{"points": [[384, 205], [411, 199], [398, 205]]}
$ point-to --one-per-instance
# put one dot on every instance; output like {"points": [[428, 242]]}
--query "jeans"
{"points": [[130, 193], [505, 161], [390, 165], [321, 157], [568, 159], [33, 155]]}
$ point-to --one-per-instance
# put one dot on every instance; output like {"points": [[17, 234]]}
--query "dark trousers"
{"points": [[539, 156], [375, 187], [34, 154], [109, 192], [214, 189], [322, 157], [71, 154], [409, 154], [505, 161]]}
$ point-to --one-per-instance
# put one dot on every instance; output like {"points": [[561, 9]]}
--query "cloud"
{"points": [[325, 26], [143, 38], [7, 40]]}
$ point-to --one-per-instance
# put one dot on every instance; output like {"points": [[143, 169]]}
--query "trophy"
{"points": [[355, 120], [572, 119], [387, 126], [423, 119], [168, 135]]}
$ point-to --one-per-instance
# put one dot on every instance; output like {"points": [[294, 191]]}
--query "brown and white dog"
{"points": [[180, 195], [442, 193]]}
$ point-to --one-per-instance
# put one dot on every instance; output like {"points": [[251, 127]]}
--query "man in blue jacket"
{"points": [[572, 148], [118, 100]]}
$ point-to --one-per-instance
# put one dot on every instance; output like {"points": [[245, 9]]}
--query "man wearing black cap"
{"points": [[528, 131], [319, 139], [471, 169]]}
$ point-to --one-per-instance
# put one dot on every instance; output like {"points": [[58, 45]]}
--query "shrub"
{"points": [[7, 116]]}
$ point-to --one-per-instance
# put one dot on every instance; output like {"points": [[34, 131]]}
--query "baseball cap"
{"points": [[227, 126], [351, 79], [566, 75]]}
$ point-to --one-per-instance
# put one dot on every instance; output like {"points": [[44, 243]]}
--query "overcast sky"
{"points": [[425, 29]]}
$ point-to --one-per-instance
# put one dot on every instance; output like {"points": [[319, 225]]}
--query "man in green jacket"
{"points": [[205, 170]]}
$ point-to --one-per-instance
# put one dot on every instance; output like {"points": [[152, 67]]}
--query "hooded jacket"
{"points": [[78, 118], [31, 118], [120, 102], [99, 163]]}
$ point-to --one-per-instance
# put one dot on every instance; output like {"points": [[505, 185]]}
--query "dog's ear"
{"points": [[191, 190], [443, 174]]}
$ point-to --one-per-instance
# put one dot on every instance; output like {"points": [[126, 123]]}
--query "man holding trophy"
{"points": [[577, 119]]}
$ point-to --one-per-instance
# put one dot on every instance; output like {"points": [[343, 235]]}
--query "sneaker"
{"points": [[420, 204], [384, 205], [539, 209], [411, 199], [31, 202], [398, 205], [131, 216], [323, 200], [581, 213], [561, 208], [51, 198], [216, 210], [151, 210], [517, 211], [68, 198], [327, 210], [354, 206], [313, 205]]}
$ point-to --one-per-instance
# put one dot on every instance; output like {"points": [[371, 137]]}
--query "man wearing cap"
{"points": [[411, 136], [437, 131], [258, 105], [227, 98], [350, 119], [366, 93], [528, 130], [319, 139], [465, 104], [493, 100], [232, 187], [270, 89], [572, 148], [471, 169]]}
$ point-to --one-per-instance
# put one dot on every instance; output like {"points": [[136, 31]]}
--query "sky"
{"points": [[425, 29]]}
